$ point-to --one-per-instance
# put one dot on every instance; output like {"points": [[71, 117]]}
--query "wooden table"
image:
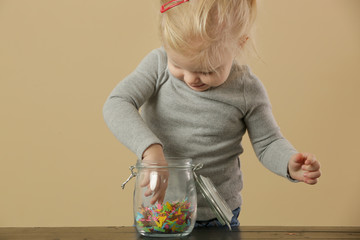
{"points": [[129, 233]]}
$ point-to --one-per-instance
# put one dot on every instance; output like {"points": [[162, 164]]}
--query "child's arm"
{"points": [[121, 109], [272, 149], [304, 167], [121, 113]]}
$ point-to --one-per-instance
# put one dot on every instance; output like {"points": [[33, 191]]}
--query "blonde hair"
{"points": [[202, 29]]}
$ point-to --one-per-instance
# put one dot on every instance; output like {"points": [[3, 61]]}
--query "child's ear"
{"points": [[243, 40]]}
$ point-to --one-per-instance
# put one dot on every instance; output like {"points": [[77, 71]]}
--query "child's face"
{"points": [[195, 77]]}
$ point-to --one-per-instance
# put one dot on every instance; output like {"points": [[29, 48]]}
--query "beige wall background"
{"points": [[59, 60]]}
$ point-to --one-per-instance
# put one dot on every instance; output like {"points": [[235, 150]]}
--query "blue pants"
{"points": [[215, 223]]}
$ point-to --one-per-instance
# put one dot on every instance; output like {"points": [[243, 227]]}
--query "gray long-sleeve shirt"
{"points": [[205, 126]]}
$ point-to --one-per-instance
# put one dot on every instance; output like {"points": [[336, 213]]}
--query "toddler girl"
{"points": [[197, 101]]}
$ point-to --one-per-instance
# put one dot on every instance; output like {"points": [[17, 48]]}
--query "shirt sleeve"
{"points": [[271, 148], [121, 109]]}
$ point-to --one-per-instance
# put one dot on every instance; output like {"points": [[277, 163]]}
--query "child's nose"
{"points": [[191, 78]]}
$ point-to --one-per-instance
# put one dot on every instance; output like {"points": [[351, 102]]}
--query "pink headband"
{"points": [[165, 7]]}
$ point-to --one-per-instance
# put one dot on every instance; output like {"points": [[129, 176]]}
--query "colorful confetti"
{"points": [[167, 218]]}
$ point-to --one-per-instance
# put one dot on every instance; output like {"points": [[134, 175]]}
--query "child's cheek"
{"points": [[176, 73]]}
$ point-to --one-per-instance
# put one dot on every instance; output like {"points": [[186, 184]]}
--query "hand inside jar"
{"points": [[156, 176]]}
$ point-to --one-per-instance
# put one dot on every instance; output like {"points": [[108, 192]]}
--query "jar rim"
{"points": [[172, 162]]}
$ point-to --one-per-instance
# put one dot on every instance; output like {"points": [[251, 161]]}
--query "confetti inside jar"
{"points": [[174, 212], [168, 218]]}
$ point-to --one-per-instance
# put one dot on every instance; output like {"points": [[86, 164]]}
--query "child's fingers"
{"points": [[299, 158], [304, 167], [163, 191], [158, 179], [311, 161], [311, 181], [145, 179], [159, 195], [311, 165], [157, 186], [148, 192], [312, 175]]}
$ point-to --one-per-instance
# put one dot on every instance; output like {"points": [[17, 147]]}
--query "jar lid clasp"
{"points": [[133, 174]]}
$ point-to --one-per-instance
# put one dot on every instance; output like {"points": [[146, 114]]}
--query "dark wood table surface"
{"points": [[129, 233]]}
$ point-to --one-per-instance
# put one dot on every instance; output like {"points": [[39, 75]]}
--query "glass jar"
{"points": [[173, 188]]}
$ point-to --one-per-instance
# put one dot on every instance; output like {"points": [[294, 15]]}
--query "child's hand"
{"points": [[156, 180], [304, 167]]}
